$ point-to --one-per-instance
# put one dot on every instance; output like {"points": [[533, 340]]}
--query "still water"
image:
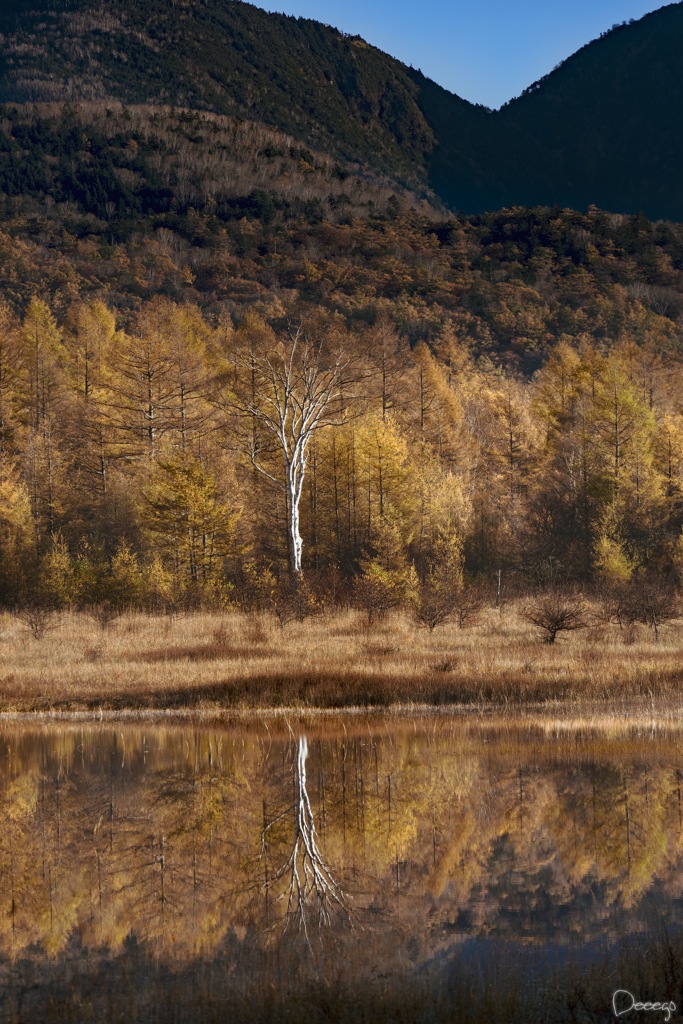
{"points": [[360, 869]]}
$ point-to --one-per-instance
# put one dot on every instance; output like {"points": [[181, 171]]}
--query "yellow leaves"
{"points": [[557, 385], [254, 332], [447, 559], [157, 382], [16, 530], [127, 580], [39, 329], [385, 468], [91, 340], [387, 579], [180, 329], [161, 583], [381, 587], [442, 411], [449, 506], [260, 584], [312, 273], [669, 450], [189, 518], [15, 506], [611, 560], [57, 578]]}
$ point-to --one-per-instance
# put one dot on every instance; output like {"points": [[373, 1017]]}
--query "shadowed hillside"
{"points": [[608, 120]]}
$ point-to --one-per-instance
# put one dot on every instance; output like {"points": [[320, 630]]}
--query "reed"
{"points": [[216, 661]]}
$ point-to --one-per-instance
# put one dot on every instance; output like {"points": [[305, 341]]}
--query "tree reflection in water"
{"points": [[487, 864], [311, 892]]}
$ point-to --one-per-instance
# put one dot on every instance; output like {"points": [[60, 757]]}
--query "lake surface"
{"points": [[354, 869]]}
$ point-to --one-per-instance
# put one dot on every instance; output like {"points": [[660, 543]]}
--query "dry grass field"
{"points": [[212, 662]]}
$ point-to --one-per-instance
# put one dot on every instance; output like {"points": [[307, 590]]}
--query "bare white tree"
{"points": [[291, 392]]}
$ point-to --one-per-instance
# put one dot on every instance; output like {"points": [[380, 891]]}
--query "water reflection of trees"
{"points": [[194, 839], [309, 891]]}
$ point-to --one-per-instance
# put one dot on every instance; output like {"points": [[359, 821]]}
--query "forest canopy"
{"points": [[128, 469]]}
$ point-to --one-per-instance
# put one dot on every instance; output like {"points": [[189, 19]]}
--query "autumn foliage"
{"points": [[128, 477]]}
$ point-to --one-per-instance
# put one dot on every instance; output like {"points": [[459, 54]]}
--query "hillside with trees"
{"points": [[507, 395], [330, 90], [600, 129], [606, 119]]}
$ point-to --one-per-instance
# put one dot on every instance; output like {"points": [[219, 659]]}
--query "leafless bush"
{"points": [[655, 602], [438, 604], [469, 601], [294, 600], [616, 606], [646, 599], [435, 606], [38, 619], [556, 612], [104, 613]]}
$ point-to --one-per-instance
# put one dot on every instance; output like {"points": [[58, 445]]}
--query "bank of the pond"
{"points": [[212, 663]]}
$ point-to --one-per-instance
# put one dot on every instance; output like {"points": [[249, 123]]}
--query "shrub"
{"points": [[435, 605], [556, 612], [646, 599], [653, 602], [469, 600], [293, 600], [39, 619]]}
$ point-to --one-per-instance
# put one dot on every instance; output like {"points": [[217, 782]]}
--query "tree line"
{"points": [[188, 461]]}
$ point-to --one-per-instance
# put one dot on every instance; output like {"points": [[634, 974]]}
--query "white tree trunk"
{"points": [[295, 480], [311, 892], [291, 395], [294, 533]]}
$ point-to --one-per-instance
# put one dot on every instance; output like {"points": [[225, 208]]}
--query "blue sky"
{"points": [[486, 51]]}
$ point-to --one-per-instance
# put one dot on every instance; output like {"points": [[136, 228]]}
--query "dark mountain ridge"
{"points": [[600, 129], [608, 119]]}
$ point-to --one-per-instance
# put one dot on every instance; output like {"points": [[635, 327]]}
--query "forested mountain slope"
{"points": [[333, 91], [602, 128], [608, 120], [125, 204]]}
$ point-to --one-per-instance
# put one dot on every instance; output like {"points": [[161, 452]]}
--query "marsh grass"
{"points": [[217, 661]]}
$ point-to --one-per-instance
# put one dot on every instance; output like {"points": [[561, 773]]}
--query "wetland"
{"points": [[455, 867]]}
